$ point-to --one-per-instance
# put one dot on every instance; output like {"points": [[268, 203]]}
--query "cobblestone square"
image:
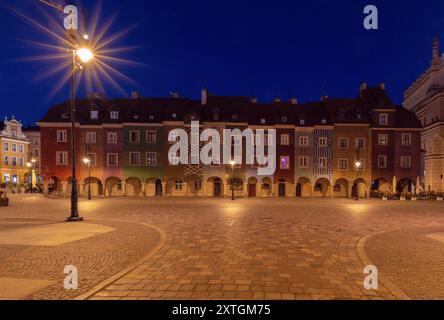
{"points": [[283, 249]]}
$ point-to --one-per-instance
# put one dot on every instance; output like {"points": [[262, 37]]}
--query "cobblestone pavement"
{"points": [[271, 249], [97, 258]]}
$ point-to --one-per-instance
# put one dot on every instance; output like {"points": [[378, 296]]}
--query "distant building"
{"points": [[14, 148], [34, 151], [318, 146], [425, 97]]}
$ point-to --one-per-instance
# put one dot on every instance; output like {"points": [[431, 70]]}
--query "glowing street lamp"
{"points": [[85, 55], [87, 161], [358, 165], [232, 163]]}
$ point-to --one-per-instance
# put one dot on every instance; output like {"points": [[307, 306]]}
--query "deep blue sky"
{"points": [[252, 48]]}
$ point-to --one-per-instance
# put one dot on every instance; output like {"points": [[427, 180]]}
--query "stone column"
{"points": [[124, 187], [163, 189]]}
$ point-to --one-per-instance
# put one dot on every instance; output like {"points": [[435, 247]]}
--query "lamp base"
{"points": [[74, 219]]}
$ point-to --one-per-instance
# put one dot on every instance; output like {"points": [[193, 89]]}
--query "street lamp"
{"points": [[29, 165], [87, 161], [358, 165], [84, 55], [232, 163]]}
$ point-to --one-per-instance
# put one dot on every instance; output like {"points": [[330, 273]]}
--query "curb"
{"points": [[390, 286], [127, 270]]}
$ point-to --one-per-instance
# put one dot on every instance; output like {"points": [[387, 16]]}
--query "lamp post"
{"points": [[84, 55], [232, 163], [87, 161], [29, 165], [358, 165]]}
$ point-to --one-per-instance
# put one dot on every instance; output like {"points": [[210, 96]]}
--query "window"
{"points": [[151, 136], [343, 143], [111, 137], [93, 158], [178, 185], [382, 162], [14, 161], [360, 143], [383, 119], [6, 161], [21, 148], [303, 141], [285, 163], [285, 139], [62, 158], [197, 185], [112, 159], [114, 115], [21, 162], [406, 162], [284, 119], [94, 115], [36, 141], [135, 158], [14, 147], [6, 147], [322, 162], [324, 121], [302, 122], [343, 164], [406, 139], [322, 141], [303, 162], [383, 139], [36, 153], [263, 121], [134, 136], [91, 138], [151, 159], [362, 165], [62, 136]]}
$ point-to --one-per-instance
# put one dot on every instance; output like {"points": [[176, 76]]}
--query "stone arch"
{"points": [[266, 187], [304, 188], [55, 185], [405, 185], [341, 188], [381, 185], [359, 189], [322, 188], [133, 187], [215, 187], [153, 187], [252, 189], [113, 187], [95, 184]]}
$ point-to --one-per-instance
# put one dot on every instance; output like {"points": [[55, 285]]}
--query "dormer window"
{"points": [[136, 117], [174, 115], [284, 119], [114, 115], [151, 117], [383, 119], [302, 122], [263, 121], [324, 121], [94, 115], [341, 114]]}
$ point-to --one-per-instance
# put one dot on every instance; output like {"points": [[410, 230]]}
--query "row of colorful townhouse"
{"points": [[331, 148]]}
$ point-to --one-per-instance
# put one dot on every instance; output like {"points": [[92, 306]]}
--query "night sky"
{"points": [[251, 48]]}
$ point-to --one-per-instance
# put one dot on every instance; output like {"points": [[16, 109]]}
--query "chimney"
{"points": [[294, 101], [382, 86], [204, 97], [435, 60], [253, 100], [363, 86], [135, 95]]}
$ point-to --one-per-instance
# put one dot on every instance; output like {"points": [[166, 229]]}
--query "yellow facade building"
{"points": [[14, 154]]}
